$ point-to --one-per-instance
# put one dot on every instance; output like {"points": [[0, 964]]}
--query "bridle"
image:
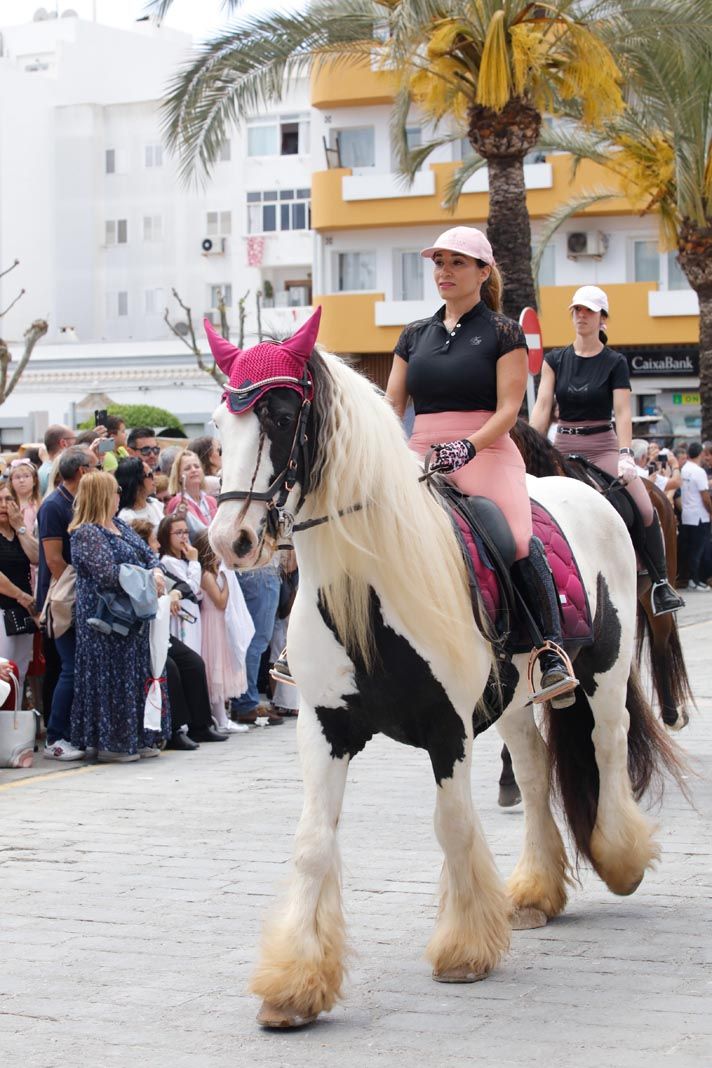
{"points": [[279, 523]]}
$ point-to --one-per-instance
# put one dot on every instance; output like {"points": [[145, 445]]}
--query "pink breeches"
{"points": [[497, 472], [602, 450]]}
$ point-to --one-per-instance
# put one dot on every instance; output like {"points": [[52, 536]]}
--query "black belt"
{"points": [[584, 431]]}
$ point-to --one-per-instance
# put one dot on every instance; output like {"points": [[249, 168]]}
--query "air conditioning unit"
{"points": [[581, 243], [213, 246]]}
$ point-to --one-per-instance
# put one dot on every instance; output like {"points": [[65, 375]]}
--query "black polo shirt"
{"points": [[584, 384], [456, 370]]}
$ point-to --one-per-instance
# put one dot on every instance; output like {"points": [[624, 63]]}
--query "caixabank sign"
{"points": [[664, 360]]}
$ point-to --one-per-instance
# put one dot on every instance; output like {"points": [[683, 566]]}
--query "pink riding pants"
{"points": [[497, 472], [602, 450]]}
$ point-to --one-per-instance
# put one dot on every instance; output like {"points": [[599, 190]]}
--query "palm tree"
{"points": [[660, 152], [490, 67]]}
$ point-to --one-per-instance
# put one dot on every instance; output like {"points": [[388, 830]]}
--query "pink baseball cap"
{"points": [[467, 240]]}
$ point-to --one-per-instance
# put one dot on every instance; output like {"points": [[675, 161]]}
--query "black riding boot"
{"points": [[663, 597], [535, 583]]}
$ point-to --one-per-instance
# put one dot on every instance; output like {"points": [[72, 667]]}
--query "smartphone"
{"points": [[100, 417], [106, 445]]}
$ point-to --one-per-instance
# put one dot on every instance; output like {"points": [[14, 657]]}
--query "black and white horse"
{"points": [[382, 639]]}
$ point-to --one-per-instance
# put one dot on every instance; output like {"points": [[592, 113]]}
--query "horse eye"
{"points": [[282, 422]]}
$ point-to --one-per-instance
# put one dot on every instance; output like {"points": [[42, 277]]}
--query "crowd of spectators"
{"points": [[75, 518], [684, 474]]}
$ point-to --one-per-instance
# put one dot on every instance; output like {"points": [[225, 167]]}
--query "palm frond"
{"points": [[408, 160], [246, 69], [453, 190]]}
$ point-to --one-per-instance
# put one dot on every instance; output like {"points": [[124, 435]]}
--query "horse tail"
{"points": [[574, 772], [667, 665]]}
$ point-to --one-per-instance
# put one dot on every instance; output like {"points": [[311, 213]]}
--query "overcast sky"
{"points": [[199, 17]]}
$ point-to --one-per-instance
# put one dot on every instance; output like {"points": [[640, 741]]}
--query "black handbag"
{"points": [[18, 621]]}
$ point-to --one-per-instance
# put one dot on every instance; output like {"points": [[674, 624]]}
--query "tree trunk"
{"points": [[510, 233], [695, 258], [504, 138], [705, 298]]}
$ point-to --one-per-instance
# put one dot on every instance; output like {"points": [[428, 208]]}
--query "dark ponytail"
{"points": [[603, 333]]}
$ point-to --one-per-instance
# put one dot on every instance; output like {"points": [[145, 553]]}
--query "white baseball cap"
{"points": [[590, 297]]}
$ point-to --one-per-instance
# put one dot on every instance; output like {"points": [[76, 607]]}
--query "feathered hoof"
{"points": [[463, 973], [273, 1018], [527, 918]]}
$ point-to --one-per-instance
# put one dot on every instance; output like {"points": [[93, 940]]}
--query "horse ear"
{"points": [[302, 343], [225, 354]]}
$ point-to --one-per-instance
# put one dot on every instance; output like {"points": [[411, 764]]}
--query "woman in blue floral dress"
{"points": [[111, 671]]}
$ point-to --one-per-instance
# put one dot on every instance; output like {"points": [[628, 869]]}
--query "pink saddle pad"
{"points": [[576, 621]]}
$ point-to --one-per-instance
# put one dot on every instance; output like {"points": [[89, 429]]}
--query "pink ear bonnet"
{"points": [[266, 366]]}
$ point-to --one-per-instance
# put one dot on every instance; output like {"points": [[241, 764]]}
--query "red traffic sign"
{"points": [[529, 322]]}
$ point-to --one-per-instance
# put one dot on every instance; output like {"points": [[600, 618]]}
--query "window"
{"points": [[153, 301], [278, 209], [288, 137], [356, 145], [409, 276], [153, 156], [117, 304], [646, 261], [215, 291], [115, 161], [218, 223], [547, 267], [676, 278], [224, 152], [414, 137], [355, 271], [116, 232], [152, 227]]}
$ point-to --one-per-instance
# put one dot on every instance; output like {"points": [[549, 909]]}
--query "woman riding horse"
{"points": [[589, 379], [466, 371]]}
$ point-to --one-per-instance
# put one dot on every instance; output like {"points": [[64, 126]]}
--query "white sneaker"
{"points": [[234, 728], [703, 587], [62, 750]]}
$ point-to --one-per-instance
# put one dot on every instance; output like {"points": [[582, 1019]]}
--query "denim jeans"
{"points": [[59, 720], [697, 540], [260, 588]]}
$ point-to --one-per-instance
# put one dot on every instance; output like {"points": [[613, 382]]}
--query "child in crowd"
{"points": [[227, 632], [180, 559]]}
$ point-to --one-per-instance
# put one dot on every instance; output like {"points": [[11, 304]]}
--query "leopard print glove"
{"points": [[451, 456]]}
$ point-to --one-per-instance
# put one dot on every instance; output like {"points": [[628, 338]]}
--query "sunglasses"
{"points": [[149, 450]]}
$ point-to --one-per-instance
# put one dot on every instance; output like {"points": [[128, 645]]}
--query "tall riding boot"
{"points": [[535, 583], [663, 597]]}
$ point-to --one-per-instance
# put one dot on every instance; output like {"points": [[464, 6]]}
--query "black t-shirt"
{"points": [[584, 384], [456, 370], [15, 566], [53, 518]]}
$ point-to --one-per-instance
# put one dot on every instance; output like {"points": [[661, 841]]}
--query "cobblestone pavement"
{"points": [[131, 899]]}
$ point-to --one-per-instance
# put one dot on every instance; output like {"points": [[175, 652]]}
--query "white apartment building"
{"points": [[92, 206]]}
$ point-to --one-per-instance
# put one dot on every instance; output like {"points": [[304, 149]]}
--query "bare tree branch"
{"points": [[241, 317], [192, 342], [13, 303], [32, 335], [4, 364], [10, 268]]}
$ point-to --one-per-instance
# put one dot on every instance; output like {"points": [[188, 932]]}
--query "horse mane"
{"points": [[539, 455], [400, 540]]}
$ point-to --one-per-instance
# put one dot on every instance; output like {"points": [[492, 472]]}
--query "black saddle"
{"points": [[616, 494]]}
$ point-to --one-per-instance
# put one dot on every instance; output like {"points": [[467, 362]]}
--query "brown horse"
{"points": [[658, 633]]}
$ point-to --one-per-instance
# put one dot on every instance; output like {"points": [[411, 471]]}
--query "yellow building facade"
{"points": [[369, 226]]}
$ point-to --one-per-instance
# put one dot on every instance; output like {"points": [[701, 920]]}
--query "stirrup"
{"points": [[557, 689], [280, 670], [664, 584]]}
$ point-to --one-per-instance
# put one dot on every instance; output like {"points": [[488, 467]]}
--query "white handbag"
{"points": [[18, 728]]}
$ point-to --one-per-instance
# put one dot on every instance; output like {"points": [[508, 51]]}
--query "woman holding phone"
{"points": [[188, 497]]}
